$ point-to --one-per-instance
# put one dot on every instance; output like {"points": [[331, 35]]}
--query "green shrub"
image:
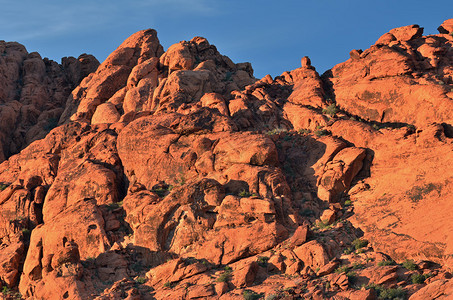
{"points": [[359, 243], [168, 284], [418, 278], [3, 186], [348, 250], [418, 192], [342, 269], [409, 264], [386, 263], [322, 132], [331, 110], [115, 205], [251, 295], [304, 131], [262, 261], [226, 275], [244, 193], [388, 293], [276, 131], [140, 280]]}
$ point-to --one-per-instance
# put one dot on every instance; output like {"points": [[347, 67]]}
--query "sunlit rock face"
{"points": [[178, 175]]}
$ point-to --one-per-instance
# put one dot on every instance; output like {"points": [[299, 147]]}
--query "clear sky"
{"points": [[272, 35]]}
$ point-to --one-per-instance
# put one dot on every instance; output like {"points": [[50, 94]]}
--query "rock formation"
{"points": [[178, 175]]}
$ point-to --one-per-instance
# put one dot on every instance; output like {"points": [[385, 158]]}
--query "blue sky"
{"points": [[272, 35]]}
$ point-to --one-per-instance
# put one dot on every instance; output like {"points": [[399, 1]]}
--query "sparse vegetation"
{"points": [[272, 297], [226, 275], [359, 243], [161, 191], [3, 186], [322, 132], [386, 263], [331, 110], [244, 194], [276, 131], [304, 131], [251, 295], [10, 294], [388, 293], [262, 261], [168, 285], [140, 280], [115, 205], [417, 193], [418, 278], [342, 269], [409, 264]]}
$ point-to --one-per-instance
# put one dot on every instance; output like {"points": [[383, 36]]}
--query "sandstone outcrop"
{"points": [[33, 91], [178, 175]]}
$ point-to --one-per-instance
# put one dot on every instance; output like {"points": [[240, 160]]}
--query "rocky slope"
{"points": [[178, 175]]}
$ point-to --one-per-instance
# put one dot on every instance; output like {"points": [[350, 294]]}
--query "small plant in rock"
{"points": [[388, 293], [342, 269], [359, 243], [3, 186], [226, 275], [304, 131], [331, 110], [348, 250], [276, 131], [409, 264], [168, 285], [417, 193], [262, 261], [115, 205], [140, 280], [161, 192], [272, 297], [418, 278], [26, 233], [244, 194], [251, 295], [322, 132], [388, 262]]}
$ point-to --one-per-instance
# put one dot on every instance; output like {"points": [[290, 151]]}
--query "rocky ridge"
{"points": [[178, 175]]}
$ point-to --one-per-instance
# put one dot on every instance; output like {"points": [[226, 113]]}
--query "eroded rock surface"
{"points": [[178, 175]]}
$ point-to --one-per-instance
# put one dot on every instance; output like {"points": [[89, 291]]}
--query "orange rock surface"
{"points": [[178, 175]]}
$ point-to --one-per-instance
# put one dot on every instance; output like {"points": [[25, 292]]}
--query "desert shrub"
{"points": [[330, 110], [409, 264], [244, 193], [418, 192], [251, 295], [388, 293], [226, 275], [418, 278], [322, 132], [262, 261], [386, 263], [359, 243], [140, 280]]}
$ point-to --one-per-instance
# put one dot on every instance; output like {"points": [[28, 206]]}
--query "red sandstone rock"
{"points": [[183, 156]]}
